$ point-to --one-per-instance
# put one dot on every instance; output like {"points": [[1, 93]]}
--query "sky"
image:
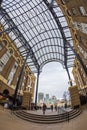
{"points": [[54, 80]]}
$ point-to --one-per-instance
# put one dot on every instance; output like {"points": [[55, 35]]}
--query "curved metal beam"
{"points": [[64, 37], [21, 37], [60, 28], [51, 60]]}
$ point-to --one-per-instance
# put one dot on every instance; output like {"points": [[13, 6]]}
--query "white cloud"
{"points": [[53, 80]]}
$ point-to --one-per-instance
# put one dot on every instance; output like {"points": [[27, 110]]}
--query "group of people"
{"points": [[52, 107], [44, 107]]}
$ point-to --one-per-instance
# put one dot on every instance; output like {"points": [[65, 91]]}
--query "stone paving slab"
{"points": [[10, 122]]}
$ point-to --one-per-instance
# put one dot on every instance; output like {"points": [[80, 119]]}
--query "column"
{"points": [[22, 81], [27, 82], [37, 88], [33, 86], [74, 94]]}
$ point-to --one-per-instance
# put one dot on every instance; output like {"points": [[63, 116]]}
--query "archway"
{"points": [[53, 80]]}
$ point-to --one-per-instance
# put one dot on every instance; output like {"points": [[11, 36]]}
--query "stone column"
{"points": [[33, 86], [26, 103], [21, 81], [37, 88], [74, 94], [27, 82]]}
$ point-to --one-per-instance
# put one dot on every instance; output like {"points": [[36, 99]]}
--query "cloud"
{"points": [[53, 80]]}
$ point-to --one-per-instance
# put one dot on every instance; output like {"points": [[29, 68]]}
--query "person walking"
{"points": [[55, 107], [51, 108], [44, 108]]}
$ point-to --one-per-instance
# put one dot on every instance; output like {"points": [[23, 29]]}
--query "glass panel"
{"points": [[33, 28]]}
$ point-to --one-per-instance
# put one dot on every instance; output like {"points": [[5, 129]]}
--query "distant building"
{"points": [[47, 96], [40, 97], [54, 97]]}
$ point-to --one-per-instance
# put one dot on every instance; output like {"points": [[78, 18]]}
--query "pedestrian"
{"points": [[51, 107], [44, 107], [55, 107]]}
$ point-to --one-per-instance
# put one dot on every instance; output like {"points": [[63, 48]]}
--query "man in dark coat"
{"points": [[44, 108]]}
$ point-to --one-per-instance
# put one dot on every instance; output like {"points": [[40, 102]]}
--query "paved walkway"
{"points": [[49, 112], [10, 122]]}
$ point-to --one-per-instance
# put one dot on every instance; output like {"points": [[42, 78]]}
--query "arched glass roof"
{"points": [[38, 28]]}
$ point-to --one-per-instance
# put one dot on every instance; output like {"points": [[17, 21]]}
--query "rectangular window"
{"points": [[1, 65], [11, 75], [84, 28], [82, 11], [4, 59], [74, 11], [81, 26], [0, 47]]}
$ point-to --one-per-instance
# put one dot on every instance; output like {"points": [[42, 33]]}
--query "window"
{"points": [[81, 26], [84, 28], [10, 50], [3, 43], [4, 59], [81, 69], [22, 83], [1, 65], [74, 11], [84, 75], [85, 55], [83, 52], [82, 11], [86, 82], [11, 75], [0, 47], [18, 61]]}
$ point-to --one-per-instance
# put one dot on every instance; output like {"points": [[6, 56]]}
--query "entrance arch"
{"points": [[53, 79]]}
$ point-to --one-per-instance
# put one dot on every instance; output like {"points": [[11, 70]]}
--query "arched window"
{"points": [[18, 61], [11, 51], [3, 43]]}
